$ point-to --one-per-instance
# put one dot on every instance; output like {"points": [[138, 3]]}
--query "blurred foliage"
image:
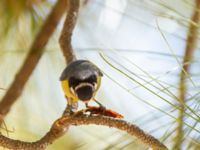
{"points": [[16, 13]]}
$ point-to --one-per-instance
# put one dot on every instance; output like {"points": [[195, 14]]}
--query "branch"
{"points": [[66, 34], [33, 57], [61, 126], [189, 51]]}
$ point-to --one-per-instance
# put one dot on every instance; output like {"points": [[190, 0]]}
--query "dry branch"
{"points": [[66, 34], [191, 45], [33, 57], [61, 126]]}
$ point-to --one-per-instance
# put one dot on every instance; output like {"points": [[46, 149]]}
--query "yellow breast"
{"points": [[66, 89], [69, 94]]}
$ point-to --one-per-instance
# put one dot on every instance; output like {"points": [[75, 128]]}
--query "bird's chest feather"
{"points": [[67, 91]]}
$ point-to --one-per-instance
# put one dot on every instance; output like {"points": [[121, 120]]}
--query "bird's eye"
{"points": [[92, 79], [73, 82]]}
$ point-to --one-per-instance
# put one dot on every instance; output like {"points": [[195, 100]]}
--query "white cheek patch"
{"points": [[84, 84], [95, 86], [72, 90]]}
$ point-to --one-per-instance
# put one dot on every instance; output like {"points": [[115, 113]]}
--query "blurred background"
{"points": [[138, 44]]}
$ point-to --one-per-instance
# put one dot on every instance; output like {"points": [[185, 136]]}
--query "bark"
{"points": [[65, 39], [61, 126]]}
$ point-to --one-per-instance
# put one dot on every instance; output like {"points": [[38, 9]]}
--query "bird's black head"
{"points": [[83, 88]]}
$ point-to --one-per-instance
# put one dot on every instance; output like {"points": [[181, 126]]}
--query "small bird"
{"points": [[80, 80]]}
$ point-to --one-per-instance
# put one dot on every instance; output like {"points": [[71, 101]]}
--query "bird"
{"points": [[80, 81]]}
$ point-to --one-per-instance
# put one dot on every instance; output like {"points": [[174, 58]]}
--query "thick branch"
{"points": [[33, 57], [189, 51], [66, 34], [61, 125]]}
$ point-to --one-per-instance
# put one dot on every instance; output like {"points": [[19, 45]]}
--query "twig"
{"points": [[66, 34], [33, 57], [190, 48], [61, 125]]}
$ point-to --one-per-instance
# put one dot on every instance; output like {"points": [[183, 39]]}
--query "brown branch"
{"points": [[33, 57], [61, 126], [66, 34], [189, 51]]}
